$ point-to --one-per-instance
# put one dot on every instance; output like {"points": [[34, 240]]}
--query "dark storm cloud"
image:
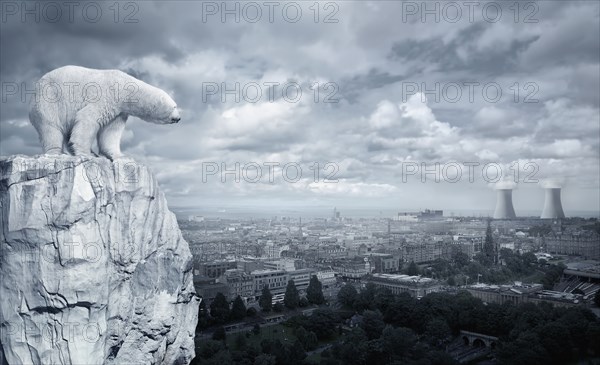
{"points": [[445, 57], [100, 45], [352, 88]]}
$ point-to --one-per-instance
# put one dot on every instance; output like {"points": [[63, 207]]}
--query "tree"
{"points": [[323, 323], [251, 312], [314, 292], [553, 274], [366, 298], [412, 269], [303, 302], [308, 339], [347, 295], [219, 334], [529, 259], [202, 316], [295, 353], [489, 250], [240, 341], [266, 299], [265, 359], [460, 259], [291, 298], [383, 299], [278, 307], [399, 341], [437, 331], [219, 308], [372, 323], [238, 309], [209, 348], [353, 349]]}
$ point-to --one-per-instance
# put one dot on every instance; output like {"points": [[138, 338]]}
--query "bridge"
{"points": [[478, 339]]}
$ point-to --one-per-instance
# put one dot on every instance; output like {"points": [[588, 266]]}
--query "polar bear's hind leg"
{"points": [[109, 138], [51, 137]]}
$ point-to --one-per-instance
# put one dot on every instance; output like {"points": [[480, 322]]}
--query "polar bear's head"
{"points": [[154, 105], [165, 110]]}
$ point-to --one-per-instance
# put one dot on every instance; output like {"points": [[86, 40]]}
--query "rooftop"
{"points": [[403, 278], [590, 266], [518, 288], [263, 272]]}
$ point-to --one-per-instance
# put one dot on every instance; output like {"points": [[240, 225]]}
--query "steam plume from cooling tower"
{"points": [[552, 204], [504, 207]]}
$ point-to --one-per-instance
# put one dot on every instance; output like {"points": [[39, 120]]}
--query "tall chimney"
{"points": [[504, 206], [552, 205]]}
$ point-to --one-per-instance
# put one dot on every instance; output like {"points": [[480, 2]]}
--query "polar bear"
{"points": [[74, 105]]}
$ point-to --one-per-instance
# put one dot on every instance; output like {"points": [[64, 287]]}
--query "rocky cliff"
{"points": [[94, 269]]}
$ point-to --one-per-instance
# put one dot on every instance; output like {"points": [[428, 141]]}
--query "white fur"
{"points": [[64, 117]]}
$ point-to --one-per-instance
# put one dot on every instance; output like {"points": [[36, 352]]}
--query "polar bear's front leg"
{"points": [[52, 140], [109, 138], [85, 129]]}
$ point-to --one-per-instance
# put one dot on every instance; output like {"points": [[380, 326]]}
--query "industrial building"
{"points": [[552, 204], [504, 206]]}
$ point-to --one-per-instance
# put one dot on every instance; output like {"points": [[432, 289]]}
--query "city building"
{"points": [[519, 293], [420, 216], [424, 251], [581, 243], [301, 278], [352, 269], [195, 218], [279, 264], [384, 263], [326, 277], [275, 280], [215, 269], [582, 277], [239, 283], [416, 286], [207, 288], [249, 264]]}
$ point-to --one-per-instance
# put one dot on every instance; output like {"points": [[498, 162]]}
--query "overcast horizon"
{"points": [[374, 118]]}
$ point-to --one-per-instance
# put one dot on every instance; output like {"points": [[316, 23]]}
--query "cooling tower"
{"points": [[552, 205], [504, 206]]}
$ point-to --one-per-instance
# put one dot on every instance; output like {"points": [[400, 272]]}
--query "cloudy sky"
{"points": [[516, 87]]}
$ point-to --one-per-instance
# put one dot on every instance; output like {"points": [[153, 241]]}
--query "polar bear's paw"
{"points": [[54, 151], [113, 156], [78, 150]]}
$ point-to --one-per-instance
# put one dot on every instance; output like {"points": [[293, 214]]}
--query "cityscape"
{"points": [[363, 265]]}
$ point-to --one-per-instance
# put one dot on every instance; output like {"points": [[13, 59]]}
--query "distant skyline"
{"points": [[324, 212], [376, 112]]}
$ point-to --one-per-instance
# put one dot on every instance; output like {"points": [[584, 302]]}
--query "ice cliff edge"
{"points": [[93, 266]]}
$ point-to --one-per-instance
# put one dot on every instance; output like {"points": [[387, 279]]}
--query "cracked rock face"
{"points": [[93, 267]]}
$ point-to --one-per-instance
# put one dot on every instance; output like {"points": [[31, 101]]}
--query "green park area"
{"points": [[251, 338]]}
